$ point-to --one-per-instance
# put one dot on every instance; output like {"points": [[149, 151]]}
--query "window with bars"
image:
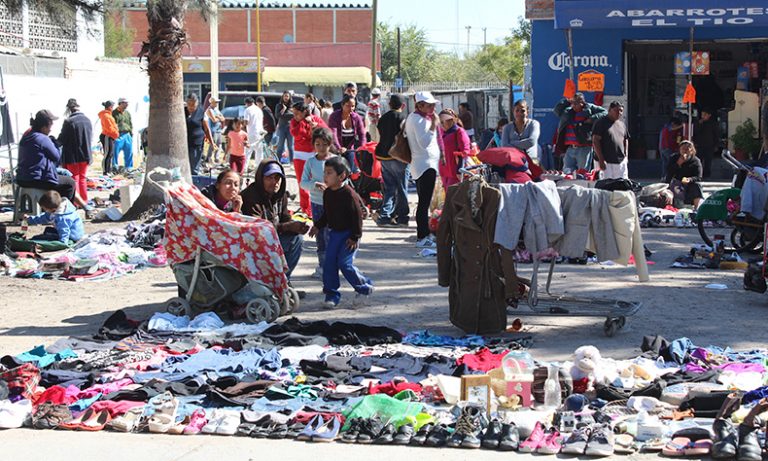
{"points": [[39, 29]]}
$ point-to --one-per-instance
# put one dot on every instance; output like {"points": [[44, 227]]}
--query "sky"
{"points": [[439, 19]]}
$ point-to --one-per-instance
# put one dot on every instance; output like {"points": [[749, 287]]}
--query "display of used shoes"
{"points": [[404, 435], [438, 436], [421, 435], [468, 428], [534, 441], [601, 441]]}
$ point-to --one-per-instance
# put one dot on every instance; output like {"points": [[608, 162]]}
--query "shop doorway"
{"points": [[655, 91]]}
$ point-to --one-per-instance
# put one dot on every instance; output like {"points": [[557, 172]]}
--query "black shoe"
{"points": [[369, 430], [386, 435], [510, 437], [438, 436], [749, 447], [726, 439], [422, 434], [350, 435], [404, 435], [492, 436]]}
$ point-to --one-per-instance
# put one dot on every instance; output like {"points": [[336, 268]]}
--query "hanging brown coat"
{"points": [[469, 263]]}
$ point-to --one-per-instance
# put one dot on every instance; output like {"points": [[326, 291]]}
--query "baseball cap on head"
{"points": [[122, 100], [350, 85], [273, 168], [425, 96], [375, 91]]}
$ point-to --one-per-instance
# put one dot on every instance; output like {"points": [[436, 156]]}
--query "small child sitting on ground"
{"points": [[343, 215], [68, 225]]}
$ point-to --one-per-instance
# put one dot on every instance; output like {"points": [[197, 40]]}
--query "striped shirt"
{"points": [[570, 130]]}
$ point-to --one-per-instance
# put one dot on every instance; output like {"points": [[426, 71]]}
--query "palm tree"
{"points": [[162, 49], [167, 127]]}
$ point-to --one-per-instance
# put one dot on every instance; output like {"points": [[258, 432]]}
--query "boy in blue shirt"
{"points": [[68, 225]]}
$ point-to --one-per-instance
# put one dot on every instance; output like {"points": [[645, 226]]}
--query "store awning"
{"points": [[318, 76], [658, 14]]}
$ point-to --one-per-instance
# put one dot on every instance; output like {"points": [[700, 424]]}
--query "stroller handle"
{"points": [[733, 162], [170, 175]]}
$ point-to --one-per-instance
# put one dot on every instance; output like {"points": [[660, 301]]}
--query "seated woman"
{"points": [[225, 192], [496, 138], [686, 168], [38, 159]]}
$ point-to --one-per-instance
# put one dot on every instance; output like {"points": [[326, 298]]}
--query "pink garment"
{"points": [[250, 245], [734, 367], [115, 409], [456, 146], [105, 389]]}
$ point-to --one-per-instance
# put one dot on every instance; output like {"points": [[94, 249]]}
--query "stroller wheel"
{"points": [[261, 310], [290, 301], [178, 307]]}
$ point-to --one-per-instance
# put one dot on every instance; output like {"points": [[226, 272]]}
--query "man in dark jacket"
{"points": [[361, 108], [75, 140], [266, 198], [574, 131], [706, 138], [269, 119], [394, 207]]}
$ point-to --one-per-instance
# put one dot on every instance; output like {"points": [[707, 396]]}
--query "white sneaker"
{"points": [[13, 415], [426, 242], [318, 273], [329, 305]]}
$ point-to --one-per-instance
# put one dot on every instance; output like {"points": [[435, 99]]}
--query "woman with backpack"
{"points": [[456, 146]]}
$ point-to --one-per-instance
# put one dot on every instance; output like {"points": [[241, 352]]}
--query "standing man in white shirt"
{"points": [[254, 117]]}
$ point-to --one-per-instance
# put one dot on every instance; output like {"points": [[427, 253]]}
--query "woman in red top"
{"points": [[302, 125], [456, 146]]}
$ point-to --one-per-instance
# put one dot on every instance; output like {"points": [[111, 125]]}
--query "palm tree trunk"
{"points": [[167, 133]]}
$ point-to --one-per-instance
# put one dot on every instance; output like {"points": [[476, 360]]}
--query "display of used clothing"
{"points": [[480, 277], [534, 208]]}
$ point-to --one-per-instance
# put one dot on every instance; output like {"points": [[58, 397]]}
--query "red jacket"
{"points": [[302, 133]]}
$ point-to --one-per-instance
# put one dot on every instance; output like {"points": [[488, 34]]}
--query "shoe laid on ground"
{"points": [[438, 436], [600, 442], [749, 446], [534, 441], [492, 435], [350, 435], [468, 428], [384, 222], [551, 444], [426, 242], [318, 273], [726, 439], [387, 435], [577, 442], [328, 431], [421, 435], [370, 428], [510, 437], [404, 435]]}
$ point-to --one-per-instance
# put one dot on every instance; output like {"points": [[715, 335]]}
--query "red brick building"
{"points": [[333, 39]]}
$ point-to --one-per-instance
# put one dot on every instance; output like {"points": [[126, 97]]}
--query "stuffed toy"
{"points": [[586, 365]]}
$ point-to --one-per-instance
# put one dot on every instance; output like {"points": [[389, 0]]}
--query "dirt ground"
{"points": [[675, 304]]}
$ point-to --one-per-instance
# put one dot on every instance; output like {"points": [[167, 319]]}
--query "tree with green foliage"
{"points": [[416, 53], [507, 61], [117, 39]]}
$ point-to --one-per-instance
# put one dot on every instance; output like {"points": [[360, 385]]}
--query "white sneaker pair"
{"points": [[222, 422]]}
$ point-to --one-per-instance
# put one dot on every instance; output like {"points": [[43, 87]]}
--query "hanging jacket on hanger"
{"points": [[468, 261]]}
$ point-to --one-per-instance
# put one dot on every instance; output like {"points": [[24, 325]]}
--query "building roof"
{"points": [[267, 5], [318, 76]]}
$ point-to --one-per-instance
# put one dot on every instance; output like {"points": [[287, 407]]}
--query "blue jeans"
{"points": [[395, 203], [349, 156], [339, 257], [322, 236], [284, 136], [123, 144], [195, 156], [577, 158], [291, 244], [666, 154]]}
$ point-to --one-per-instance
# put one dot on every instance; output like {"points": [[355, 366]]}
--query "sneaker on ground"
{"points": [[601, 441], [362, 299], [384, 222], [318, 273], [577, 442], [426, 242]]}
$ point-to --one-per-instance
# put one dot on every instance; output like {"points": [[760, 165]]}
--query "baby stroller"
{"points": [[368, 182], [219, 257]]}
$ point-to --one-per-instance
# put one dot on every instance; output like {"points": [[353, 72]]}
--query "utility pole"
{"points": [[399, 74], [258, 47], [373, 45], [485, 35], [468, 29], [214, 22]]}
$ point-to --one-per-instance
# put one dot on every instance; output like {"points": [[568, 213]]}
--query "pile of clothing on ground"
{"points": [[103, 255], [107, 183], [324, 381]]}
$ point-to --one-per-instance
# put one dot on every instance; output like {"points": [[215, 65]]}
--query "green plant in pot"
{"points": [[746, 144]]}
